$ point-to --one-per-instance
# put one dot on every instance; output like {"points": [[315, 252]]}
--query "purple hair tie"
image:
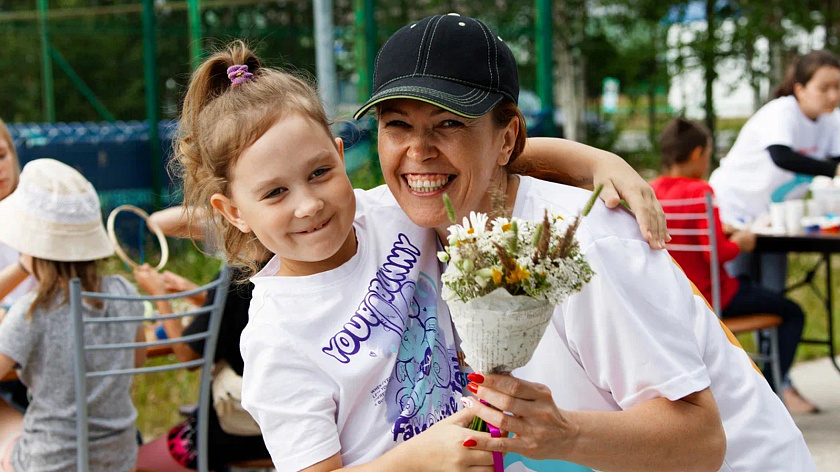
{"points": [[238, 75]]}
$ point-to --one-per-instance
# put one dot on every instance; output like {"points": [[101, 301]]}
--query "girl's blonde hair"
{"points": [[219, 122], [6, 136], [54, 282]]}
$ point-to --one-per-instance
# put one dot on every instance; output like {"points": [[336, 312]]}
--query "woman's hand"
{"points": [[541, 430], [149, 280], [621, 182]]}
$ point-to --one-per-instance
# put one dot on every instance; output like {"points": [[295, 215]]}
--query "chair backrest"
{"points": [[698, 209], [214, 311]]}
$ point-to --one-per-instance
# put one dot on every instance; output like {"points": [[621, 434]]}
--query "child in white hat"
{"points": [[53, 219]]}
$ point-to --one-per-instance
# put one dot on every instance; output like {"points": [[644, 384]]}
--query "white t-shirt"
{"points": [[9, 256], [354, 360], [638, 331], [748, 180]]}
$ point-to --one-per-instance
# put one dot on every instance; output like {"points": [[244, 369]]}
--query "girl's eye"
{"points": [[274, 193], [320, 172]]}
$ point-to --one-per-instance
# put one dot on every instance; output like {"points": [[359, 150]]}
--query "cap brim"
{"points": [[461, 99]]}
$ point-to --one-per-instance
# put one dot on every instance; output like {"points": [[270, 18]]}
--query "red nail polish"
{"points": [[472, 387], [470, 442], [476, 377]]}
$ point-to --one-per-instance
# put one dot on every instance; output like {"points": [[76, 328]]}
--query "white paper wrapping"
{"points": [[499, 331]]}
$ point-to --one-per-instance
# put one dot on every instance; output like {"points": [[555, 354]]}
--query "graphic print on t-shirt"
{"points": [[398, 316], [421, 389]]}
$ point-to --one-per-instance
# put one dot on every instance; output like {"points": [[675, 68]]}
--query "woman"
{"points": [[14, 281], [791, 138], [12, 278], [637, 396]]}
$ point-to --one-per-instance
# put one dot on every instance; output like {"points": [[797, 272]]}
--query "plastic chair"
{"points": [[214, 311], [685, 224]]}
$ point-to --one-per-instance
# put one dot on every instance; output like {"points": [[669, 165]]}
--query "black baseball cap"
{"points": [[451, 61]]}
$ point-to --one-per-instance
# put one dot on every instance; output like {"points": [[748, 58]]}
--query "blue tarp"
{"points": [[116, 157]]}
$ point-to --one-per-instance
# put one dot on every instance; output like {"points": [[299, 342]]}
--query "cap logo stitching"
{"points": [[489, 39], [429, 47], [495, 58], [486, 42], [420, 49]]}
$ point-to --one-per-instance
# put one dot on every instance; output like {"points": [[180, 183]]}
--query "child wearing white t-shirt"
{"points": [[779, 149], [349, 351]]}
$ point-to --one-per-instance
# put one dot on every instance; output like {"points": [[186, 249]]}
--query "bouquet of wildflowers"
{"points": [[504, 278]]}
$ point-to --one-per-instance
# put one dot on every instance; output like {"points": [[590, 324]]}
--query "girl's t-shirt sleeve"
{"points": [[19, 336], [632, 325], [291, 399]]}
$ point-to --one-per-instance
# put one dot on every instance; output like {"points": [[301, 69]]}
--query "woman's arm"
{"points": [[6, 365], [658, 434], [10, 278], [572, 163], [140, 352], [173, 222], [150, 280], [174, 283], [788, 159]]}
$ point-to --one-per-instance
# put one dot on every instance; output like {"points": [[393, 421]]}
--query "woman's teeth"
{"points": [[426, 185]]}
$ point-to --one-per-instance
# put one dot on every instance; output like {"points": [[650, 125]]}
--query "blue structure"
{"points": [[116, 157]]}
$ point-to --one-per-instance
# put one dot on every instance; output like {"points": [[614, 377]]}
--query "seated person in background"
{"points": [[177, 450], [686, 151], [36, 334]]}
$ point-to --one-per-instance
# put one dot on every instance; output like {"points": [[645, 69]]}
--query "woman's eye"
{"points": [[320, 172], [396, 124], [451, 124], [3, 156]]}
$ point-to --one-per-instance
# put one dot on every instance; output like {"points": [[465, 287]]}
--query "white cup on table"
{"points": [[794, 211], [778, 216], [814, 207]]}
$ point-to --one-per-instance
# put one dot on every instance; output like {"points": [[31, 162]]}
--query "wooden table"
{"points": [[821, 243]]}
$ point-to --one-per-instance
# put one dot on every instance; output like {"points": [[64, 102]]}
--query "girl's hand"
{"points": [[442, 447], [174, 283], [541, 430], [149, 280], [622, 182]]}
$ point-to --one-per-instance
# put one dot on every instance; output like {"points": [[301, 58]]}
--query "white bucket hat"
{"points": [[54, 214]]}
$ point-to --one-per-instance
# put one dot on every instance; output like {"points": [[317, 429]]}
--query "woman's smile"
{"points": [[425, 185]]}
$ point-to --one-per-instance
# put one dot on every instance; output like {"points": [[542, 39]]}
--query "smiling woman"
{"points": [[613, 385]]}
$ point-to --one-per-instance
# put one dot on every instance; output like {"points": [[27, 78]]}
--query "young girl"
{"points": [[255, 146], [54, 221], [793, 137], [686, 151]]}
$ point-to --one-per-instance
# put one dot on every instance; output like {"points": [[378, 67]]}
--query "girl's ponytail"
{"points": [[211, 79]]}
